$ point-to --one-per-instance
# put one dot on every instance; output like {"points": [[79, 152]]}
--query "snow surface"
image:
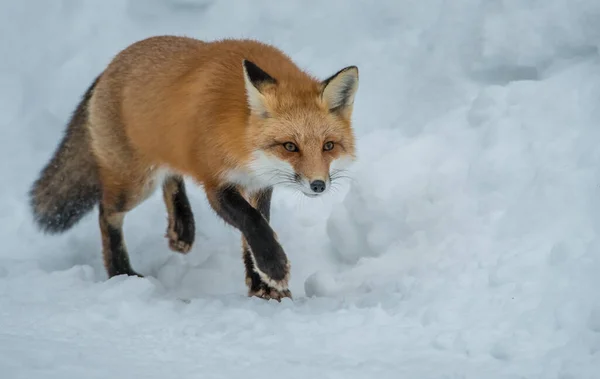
{"points": [[465, 246]]}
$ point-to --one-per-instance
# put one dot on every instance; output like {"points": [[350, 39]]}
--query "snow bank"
{"points": [[464, 246]]}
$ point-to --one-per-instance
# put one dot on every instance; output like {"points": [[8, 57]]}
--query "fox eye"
{"points": [[290, 146], [328, 146]]}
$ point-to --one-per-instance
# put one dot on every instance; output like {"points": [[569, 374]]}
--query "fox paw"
{"points": [[178, 245], [180, 236], [264, 291], [265, 288], [270, 282]]}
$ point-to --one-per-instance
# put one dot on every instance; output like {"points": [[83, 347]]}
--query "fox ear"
{"points": [[256, 80], [338, 90]]}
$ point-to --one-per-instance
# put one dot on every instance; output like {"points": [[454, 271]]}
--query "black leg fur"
{"points": [[116, 258], [262, 202], [268, 259]]}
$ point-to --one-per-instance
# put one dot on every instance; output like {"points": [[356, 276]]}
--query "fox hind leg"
{"points": [[181, 229], [120, 196], [115, 202], [116, 258]]}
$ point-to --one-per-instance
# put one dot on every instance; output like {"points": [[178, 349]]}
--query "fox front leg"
{"points": [[261, 201], [262, 253]]}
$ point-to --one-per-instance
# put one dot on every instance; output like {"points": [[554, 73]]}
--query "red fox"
{"points": [[236, 116]]}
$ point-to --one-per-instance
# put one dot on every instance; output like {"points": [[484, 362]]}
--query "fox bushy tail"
{"points": [[68, 186]]}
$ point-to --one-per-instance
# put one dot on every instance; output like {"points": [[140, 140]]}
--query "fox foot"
{"points": [[260, 285], [180, 234], [269, 293], [258, 288], [177, 243]]}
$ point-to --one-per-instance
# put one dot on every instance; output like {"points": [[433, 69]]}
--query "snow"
{"points": [[465, 245]]}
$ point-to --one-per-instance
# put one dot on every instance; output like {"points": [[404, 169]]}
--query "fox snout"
{"points": [[316, 182]]}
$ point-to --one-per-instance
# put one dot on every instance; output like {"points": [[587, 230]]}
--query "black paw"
{"points": [[260, 285]]}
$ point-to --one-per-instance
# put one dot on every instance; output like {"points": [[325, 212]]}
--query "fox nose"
{"points": [[317, 186]]}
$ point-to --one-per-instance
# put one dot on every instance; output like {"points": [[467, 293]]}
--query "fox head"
{"points": [[300, 127]]}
